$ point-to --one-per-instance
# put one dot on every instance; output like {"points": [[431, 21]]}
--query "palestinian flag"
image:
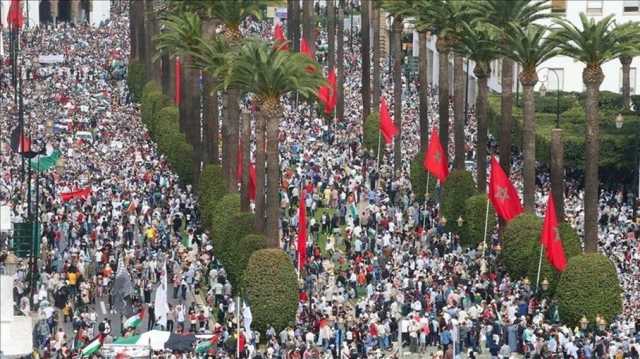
{"points": [[134, 321], [45, 161], [204, 347], [92, 347]]}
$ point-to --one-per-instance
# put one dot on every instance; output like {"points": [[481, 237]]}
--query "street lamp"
{"points": [[619, 120], [557, 150], [545, 285], [460, 221], [584, 322], [543, 92]]}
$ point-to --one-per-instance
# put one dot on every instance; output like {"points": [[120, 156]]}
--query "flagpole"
{"points": [[378, 155], [238, 339], [539, 266], [486, 225], [426, 198]]}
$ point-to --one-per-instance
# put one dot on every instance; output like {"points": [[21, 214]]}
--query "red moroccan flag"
{"points": [[79, 193], [302, 232], [435, 160], [251, 190], [550, 238], [387, 127], [178, 81], [14, 16], [502, 193], [278, 37], [328, 95], [305, 50]]}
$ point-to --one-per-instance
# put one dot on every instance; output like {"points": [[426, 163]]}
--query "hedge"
{"points": [[173, 143], [231, 231], [618, 147], [135, 80], [589, 287], [518, 240], [458, 187], [228, 205], [475, 209], [419, 178], [236, 254], [152, 102], [572, 248], [211, 190], [370, 133], [271, 286]]}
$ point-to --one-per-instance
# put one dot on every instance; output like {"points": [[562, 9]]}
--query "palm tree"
{"points": [[308, 24], [529, 47], [331, 32], [365, 51], [293, 18], [479, 44], [593, 43], [152, 70], [269, 74], [502, 15], [625, 60], [375, 26]]}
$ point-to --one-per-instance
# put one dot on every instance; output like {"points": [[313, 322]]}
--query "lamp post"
{"points": [[466, 95], [557, 152]]}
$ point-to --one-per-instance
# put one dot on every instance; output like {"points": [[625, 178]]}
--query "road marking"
{"points": [[103, 308]]}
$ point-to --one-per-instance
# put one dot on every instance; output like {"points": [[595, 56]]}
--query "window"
{"points": [[631, 6], [558, 6], [594, 7], [632, 80], [552, 82]]}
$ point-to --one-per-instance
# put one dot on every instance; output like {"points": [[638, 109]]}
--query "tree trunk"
{"points": [[443, 97], [140, 31], [232, 119], [133, 31], [481, 114], [397, 93], [529, 145], [366, 59], [458, 112], [151, 73], [210, 120], [273, 182], [184, 80], [592, 78], [190, 114], [340, 63], [626, 82], [260, 170], [506, 114], [290, 22], [308, 25], [557, 172], [376, 88], [165, 80], [331, 32], [423, 90], [295, 24], [246, 160]]}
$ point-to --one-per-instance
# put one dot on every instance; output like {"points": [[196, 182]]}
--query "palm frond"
{"points": [[530, 46]]}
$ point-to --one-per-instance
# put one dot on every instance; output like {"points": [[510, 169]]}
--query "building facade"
{"points": [[38, 12]]}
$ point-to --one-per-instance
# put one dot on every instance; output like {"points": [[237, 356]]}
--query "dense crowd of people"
{"points": [[384, 277]]}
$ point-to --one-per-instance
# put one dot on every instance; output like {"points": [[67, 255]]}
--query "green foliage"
{"points": [[211, 189], [475, 209], [618, 147], [173, 143], [271, 285], [419, 178], [228, 205], [589, 286], [227, 244], [458, 187], [572, 248], [518, 241], [371, 131], [237, 253], [135, 80], [152, 102]]}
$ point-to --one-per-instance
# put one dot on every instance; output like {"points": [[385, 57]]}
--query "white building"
{"points": [[16, 339], [48, 11], [568, 70]]}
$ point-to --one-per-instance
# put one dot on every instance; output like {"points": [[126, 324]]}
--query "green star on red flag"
{"points": [[503, 194]]}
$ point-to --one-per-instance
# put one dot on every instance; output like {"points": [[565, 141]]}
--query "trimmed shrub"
{"points": [[271, 286], [233, 228], [458, 187], [135, 80], [475, 209], [228, 205], [589, 287], [173, 143], [237, 253], [370, 133], [152, 102], [572, 248], [211, 190], [419, 178], [181, 159], [518, 241]]}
